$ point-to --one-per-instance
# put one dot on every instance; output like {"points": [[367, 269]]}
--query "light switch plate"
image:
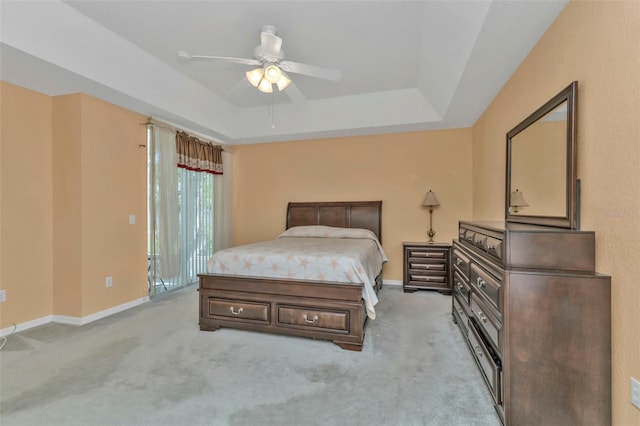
{"points": [[635, 392], [132, 219], [3, 295]]}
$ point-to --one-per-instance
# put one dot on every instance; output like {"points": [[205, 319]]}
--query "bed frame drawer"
{"points": [[229, 308], [331, 321]]}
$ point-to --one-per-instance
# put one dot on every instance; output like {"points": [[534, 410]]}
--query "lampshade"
{"points": [[264, 78], [517, 199], [430, 200], [272, 73], [254, 76], [283, 82], [265, 86]]}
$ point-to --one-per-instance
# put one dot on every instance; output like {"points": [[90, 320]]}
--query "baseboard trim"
{"points": [[392, 282], [63, 319], [24, 325]]}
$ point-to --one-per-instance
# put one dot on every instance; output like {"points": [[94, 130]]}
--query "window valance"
{"points": [[197, 155]]}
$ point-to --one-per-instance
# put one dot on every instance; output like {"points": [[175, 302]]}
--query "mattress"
{"points": [[310, 253]]}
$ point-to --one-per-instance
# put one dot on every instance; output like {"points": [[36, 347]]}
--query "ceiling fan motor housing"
{"points": [[263, 56]]}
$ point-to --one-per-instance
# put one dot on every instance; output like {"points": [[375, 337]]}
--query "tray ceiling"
{"points": [[406, 65]]}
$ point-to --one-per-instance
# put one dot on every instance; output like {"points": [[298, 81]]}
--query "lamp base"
{"points": [[431, 234]]}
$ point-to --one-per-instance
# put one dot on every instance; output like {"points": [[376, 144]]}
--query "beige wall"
{"points": [[26, 227], [113, 186], [395, 168], [72, 173], [67, 247], [595, 43]]}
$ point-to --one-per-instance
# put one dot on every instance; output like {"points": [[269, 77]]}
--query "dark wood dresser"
{"points": [[537, 319], [426, 267]]}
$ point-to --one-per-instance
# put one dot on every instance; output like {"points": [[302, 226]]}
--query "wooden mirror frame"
{"points": [[571, 218]]}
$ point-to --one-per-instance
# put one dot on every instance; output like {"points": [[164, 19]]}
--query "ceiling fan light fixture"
{"points": [[255, 76], [265, 86], [272, 73], [283, 82]]}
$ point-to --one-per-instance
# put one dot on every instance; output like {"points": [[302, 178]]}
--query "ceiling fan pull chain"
{"points": [[273, 126]]}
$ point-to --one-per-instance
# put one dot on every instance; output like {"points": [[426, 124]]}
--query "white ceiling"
{"points": [[406, 65]]}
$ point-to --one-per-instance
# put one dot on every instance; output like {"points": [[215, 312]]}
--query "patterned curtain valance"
{"points": [[196, 155]]}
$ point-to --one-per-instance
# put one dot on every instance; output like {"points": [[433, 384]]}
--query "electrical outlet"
{"points": [[635, 392], [109, 281], [3, 295]]}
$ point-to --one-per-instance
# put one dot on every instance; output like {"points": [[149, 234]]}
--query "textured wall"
{"points": [[72, 173], [26, 228], [597, 44], [395, 168]]}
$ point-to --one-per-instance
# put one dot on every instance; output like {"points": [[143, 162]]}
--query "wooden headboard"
{"points": [[343, 214]]}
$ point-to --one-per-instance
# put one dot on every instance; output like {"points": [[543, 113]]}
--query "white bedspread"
{"points": [[316, 253]]}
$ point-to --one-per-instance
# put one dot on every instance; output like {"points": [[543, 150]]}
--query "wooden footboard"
{"points": [[319, 310]]}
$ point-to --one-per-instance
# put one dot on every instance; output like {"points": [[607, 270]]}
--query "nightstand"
{"points": [[426, 267]]}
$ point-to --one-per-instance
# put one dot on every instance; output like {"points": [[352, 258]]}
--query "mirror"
{"points": [[541, 186]]}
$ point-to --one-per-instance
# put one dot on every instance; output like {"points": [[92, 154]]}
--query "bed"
{"points": [[328, 309]]}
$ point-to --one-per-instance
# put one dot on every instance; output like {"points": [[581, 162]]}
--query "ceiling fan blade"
{"points": [[294, 93], [244, 61], [311, 70], [271, 43], [238, 88]]}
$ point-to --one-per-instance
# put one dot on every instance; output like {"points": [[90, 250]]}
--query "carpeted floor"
{"points": [[151, 365]]}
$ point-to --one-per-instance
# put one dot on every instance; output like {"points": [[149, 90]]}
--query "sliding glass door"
{"points": [[180, 217]]}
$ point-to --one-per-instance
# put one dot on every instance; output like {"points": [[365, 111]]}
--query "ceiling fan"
{"points": [[271, 68]]}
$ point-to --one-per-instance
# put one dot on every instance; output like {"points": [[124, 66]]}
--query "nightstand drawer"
{"points": [[416, 278], [431, 267], [421, 253]]}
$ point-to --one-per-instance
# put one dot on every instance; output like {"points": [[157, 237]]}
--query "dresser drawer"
{"points": [[460, 262], [461, 287], [489, 364], [487, 285], [467, 235], [238, 309], [485, 241], [301, 317], [487, 321], [460, 313]]}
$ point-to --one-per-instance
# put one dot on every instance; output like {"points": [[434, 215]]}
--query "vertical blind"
{"points": [[180, 246]]}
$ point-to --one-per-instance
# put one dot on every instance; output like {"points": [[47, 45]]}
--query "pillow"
{"points": [[321, 231]]}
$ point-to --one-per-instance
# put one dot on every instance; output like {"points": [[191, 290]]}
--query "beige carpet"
{"points": [[152, 365]]}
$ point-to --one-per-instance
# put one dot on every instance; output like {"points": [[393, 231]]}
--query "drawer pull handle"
{"points": [[238, 312], [458, 261], [478, 351], [482, 283], [459, 286], [482, 316], [315, 318]]}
